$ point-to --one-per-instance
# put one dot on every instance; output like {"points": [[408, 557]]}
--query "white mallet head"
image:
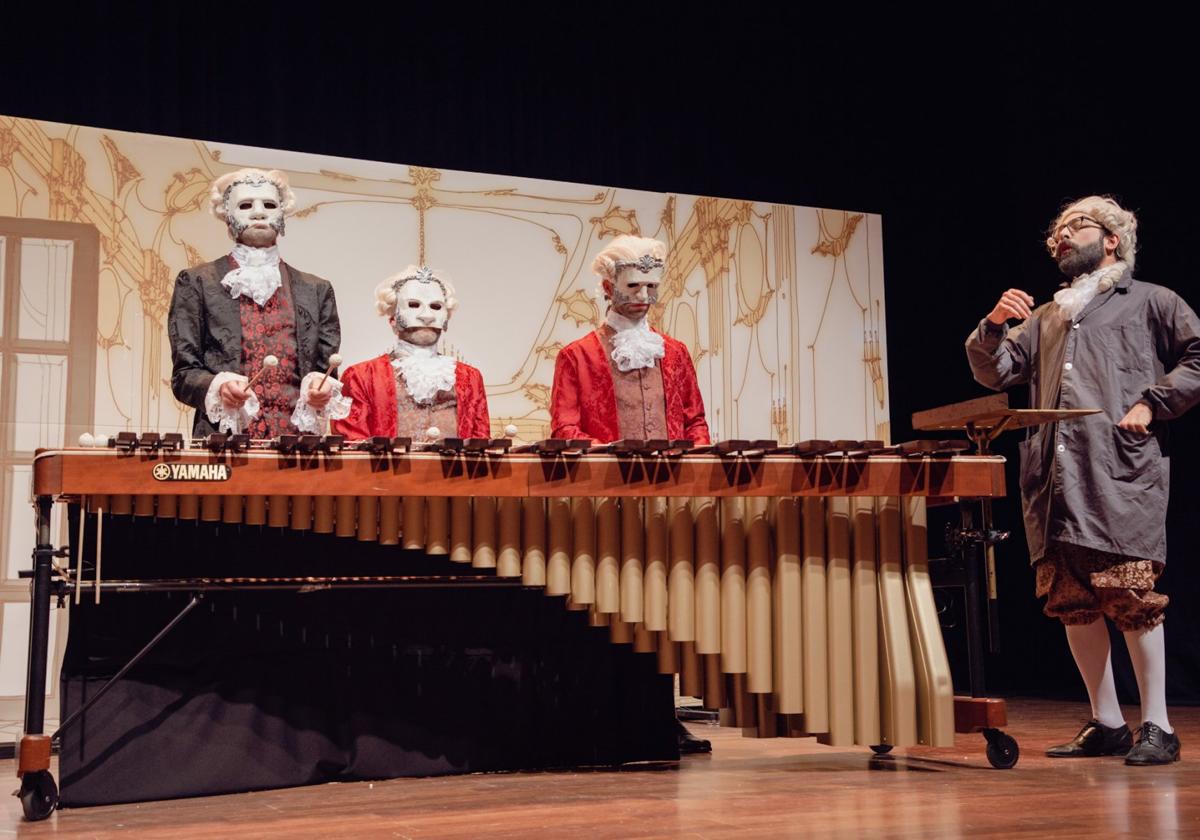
{"points": [[335, 360], [510, 431], [270, 361], [433, 433], [87, 440]]}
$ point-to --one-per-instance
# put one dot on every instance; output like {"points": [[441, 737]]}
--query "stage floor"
{"points": [[746, 788]]}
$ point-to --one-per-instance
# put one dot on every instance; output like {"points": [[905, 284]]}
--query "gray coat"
{"points": [[204, 326], [1087, 481]]}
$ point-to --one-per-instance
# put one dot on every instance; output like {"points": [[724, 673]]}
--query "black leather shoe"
{"points": [[689, 744], [1153, 746], [1095, 739]]}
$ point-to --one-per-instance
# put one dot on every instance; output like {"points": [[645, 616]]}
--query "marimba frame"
{"points": [[467, 473]]}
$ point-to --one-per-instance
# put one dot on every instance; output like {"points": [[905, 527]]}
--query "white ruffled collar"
{"points": [[635, 345], [425, 370], [1084, 288], [257, 273]]}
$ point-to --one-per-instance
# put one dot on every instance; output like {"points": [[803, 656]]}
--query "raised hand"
{"points": [[1012, 304]]}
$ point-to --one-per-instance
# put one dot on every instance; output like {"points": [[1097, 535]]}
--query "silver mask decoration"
{"points": [[645, 264], [424, 275]]}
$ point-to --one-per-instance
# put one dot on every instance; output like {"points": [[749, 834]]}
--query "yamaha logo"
{"points": [[192, 472]]}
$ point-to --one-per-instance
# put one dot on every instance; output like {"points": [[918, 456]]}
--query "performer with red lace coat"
{"points": [[413, 390], [625, 380]]}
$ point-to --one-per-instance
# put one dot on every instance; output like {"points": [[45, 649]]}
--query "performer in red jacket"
{"points": [[625, 380], [413, 390]]}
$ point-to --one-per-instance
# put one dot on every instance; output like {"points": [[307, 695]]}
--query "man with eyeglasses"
{"points": [[1094, 490]]}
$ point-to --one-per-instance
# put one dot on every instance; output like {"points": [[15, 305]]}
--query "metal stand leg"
{"points": [[137, 657], [976, 547], [38, 792], [989, 561], [39, 623], [970, 568]]}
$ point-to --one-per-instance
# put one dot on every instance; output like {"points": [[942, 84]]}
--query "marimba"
{"points": [[787, 586]]}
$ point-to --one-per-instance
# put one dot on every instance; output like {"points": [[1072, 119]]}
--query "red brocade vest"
{"points": [[270, 330]]}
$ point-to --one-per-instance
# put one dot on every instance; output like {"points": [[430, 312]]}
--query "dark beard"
{"points": [[256, 237], [420, 336], [1083, 260]]}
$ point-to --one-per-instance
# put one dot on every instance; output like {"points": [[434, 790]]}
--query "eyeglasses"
{"points": [[1077, 224]]}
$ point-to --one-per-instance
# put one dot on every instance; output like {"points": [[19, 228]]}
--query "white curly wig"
{"points": [[1115, 218], [217, 195], [385, 292]]}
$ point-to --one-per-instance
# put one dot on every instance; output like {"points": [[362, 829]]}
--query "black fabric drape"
{"points": [[262, 690]]}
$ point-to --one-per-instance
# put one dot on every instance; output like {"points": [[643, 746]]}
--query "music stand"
{"points": [[983, 420]]}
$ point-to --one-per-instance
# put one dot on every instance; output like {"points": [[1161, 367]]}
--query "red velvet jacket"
{"points": [[583, 403], [372, 386]]}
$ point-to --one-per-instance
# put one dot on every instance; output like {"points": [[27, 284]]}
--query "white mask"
{"points": [[634, 291], [254, 214], [421, 311]]}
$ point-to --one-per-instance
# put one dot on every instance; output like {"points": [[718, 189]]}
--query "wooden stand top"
{"points": [[990, 412]]}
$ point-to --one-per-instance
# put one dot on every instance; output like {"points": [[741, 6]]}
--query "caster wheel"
{"points": [[38, 794], [881, 749], [1002, 749]]}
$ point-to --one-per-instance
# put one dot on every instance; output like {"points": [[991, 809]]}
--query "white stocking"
{"points": [[1147, 651], [1089, 646]]}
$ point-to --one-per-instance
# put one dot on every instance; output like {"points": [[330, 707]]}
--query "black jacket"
{"points": [[205, 330]]}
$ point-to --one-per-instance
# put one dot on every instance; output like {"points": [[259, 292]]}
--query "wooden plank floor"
{"points": [[746, 788]]}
